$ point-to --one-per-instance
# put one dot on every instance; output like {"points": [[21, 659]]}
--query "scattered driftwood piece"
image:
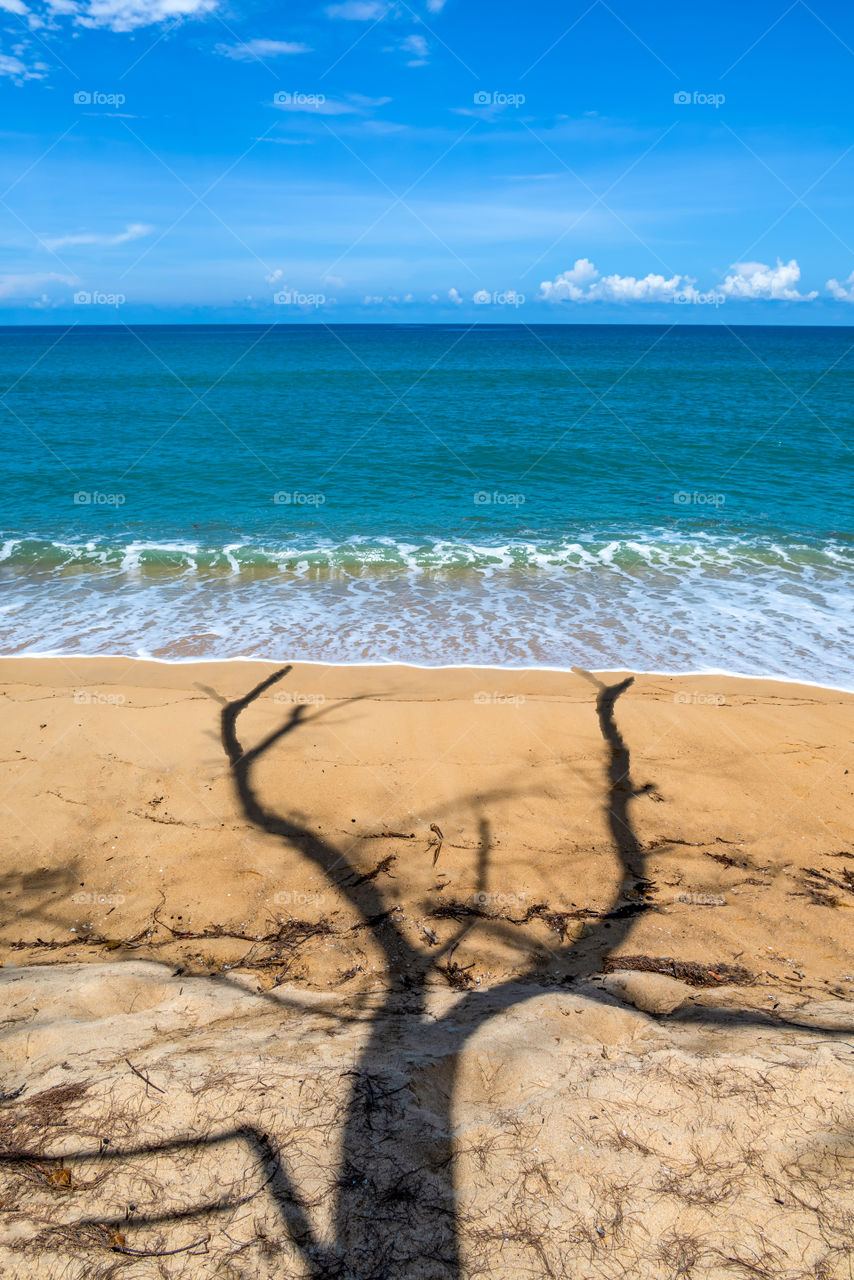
{"points": [[438, 842], [142, 1076], [690, 971], [382, 868], [115, 1241]]}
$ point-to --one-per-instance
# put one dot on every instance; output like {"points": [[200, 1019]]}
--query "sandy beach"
{"points": [[124, 828], [595, 933]]}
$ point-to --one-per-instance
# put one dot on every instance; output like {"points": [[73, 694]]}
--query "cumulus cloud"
{"points": [[134, 231], [582, 283], [435, 6], [649, 288], [252, 50], [570, 285], [757, 280], [455, 296], [842, 291]]}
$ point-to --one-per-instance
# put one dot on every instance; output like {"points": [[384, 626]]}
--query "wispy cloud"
{"points": [[23, 286], [417, 45], [358, 10], [255, 50], [353, 104], [134, 231]]}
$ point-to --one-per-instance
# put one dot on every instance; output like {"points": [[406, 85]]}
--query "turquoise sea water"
{"points": [[613, 496]]}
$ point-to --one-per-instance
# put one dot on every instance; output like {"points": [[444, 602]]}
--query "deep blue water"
{"points": [[630, 496]]}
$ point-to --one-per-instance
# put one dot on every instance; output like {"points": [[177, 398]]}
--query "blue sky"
{"points": [[208, 160]]}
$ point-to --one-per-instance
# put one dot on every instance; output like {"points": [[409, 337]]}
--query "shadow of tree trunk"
{"points": [[396, 1213]]}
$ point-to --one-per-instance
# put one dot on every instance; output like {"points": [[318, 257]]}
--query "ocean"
{"points": [[664, 499]]}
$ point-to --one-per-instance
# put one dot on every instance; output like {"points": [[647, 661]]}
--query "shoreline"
{"points": [[689, 673]]}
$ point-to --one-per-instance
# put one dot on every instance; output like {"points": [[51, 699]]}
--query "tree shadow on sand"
{"points": [[395, 1210]]}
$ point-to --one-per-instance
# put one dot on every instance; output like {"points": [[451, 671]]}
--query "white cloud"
{"points": [[415, 44], [844, 291], [275, 276], [134, 231], [259, 49], [362, 101], [356, 104], [23, 286], [435, 6], [127, 15], [757, 280], [455, 296], [14, 6], [582, 283], [747, 280], [358, 10], [650, 288], [15, 69], [570, 285], [313, 105]]}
